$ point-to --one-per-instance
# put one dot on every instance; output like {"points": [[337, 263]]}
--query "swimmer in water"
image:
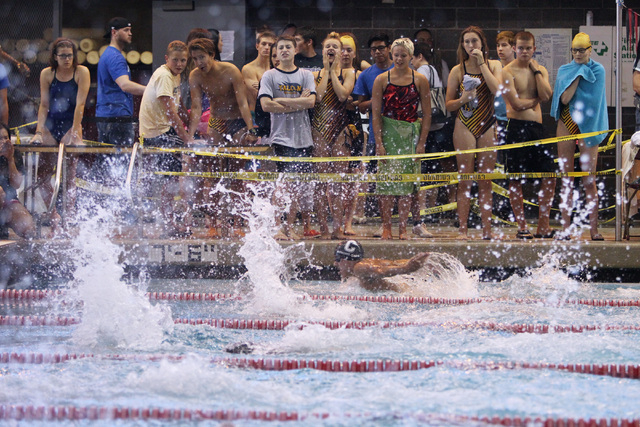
{"points": [[371, 273]]}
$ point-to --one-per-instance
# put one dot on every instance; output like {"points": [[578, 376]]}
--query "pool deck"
{"points": [[172, 257]]}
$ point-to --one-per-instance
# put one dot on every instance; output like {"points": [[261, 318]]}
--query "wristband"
{"points": [[537, 72], [38, 132], [252, 131]]}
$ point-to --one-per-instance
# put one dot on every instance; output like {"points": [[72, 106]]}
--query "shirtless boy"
{"points": [[527, 85], [371, 273], [253, 71], [230, 122]]}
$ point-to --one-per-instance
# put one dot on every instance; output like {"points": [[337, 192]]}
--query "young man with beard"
{"points": [[114, 107]]}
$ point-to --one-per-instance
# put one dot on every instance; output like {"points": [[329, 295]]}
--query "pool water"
{"points": [[164, 365], [456, 387]]}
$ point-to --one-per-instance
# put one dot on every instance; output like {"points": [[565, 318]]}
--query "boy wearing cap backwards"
{"points": [[370, 272]]}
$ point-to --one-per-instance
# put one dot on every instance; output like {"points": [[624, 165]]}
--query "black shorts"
{"points": [[534, 158], [438, 141], [293, 167], [167, 162]]}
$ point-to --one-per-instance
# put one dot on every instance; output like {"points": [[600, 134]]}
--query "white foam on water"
{"points": [[547, 281], [441, 276], [114, 314]]}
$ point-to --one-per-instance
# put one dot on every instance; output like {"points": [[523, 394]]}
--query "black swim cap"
{"points": [[350, 250]]}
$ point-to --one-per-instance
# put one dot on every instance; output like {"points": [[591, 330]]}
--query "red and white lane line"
{"points": [[278, 325], [73, 413], [30, 294], [358, 366]]}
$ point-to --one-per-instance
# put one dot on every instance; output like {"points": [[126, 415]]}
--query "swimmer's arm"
{"points": [[455, 78], [376, 114], [375, 269], [567, 95], [492, 75], [196, 102], [321, 88], [171, 111], [130, 87], [84, 82], [241, 97], [545, 92], [425, 102], [344, 89], [510, 94], [251, 81], [46, 76]]}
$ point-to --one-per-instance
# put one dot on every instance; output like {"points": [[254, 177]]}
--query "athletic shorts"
{"points": [[293, 167], [534, 158]]}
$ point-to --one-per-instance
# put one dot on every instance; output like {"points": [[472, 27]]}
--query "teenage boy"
{"points": [[526, 86], [161, 125], [287, 92], [253, 71], [230, 122]]}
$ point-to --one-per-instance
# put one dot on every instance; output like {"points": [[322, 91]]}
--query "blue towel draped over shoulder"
{"points": [[588, 106]]}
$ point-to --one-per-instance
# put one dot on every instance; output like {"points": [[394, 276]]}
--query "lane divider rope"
{"points": [[74, 413], [278, 325], [31, 294], [358, 366]]}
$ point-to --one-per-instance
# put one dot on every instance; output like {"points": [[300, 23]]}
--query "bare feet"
{"points": [[386, 234], [462, 235], [338, 234], [348, 231], [402, 232]]}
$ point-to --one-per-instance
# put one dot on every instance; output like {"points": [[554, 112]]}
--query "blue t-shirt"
{"points": [[4, 78], [364, 87], [113, 101]]}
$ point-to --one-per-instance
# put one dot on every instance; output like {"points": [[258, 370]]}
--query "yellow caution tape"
{"points": [[430, 156], [363, 177]]}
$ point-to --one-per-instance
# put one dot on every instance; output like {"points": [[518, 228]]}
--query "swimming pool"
{"points": [[455, 351], [163, 365]]}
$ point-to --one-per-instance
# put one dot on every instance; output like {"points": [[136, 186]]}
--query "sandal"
{"points": [[524, 234], [597, 237], [549, 235]]}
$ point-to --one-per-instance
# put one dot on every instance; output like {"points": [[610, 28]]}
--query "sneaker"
{"points": [[420, 230], [378, 232]]}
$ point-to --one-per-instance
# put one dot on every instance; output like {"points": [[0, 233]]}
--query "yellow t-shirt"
{"points": [[153, 117]]}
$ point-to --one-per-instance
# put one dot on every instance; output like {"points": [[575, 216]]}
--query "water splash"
{"points": [[113, 313], [547, 281], [270, 266], [441, 276]]}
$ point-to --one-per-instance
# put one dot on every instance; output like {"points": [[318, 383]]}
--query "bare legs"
{"points": [[464, 140], [588, 160]]}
